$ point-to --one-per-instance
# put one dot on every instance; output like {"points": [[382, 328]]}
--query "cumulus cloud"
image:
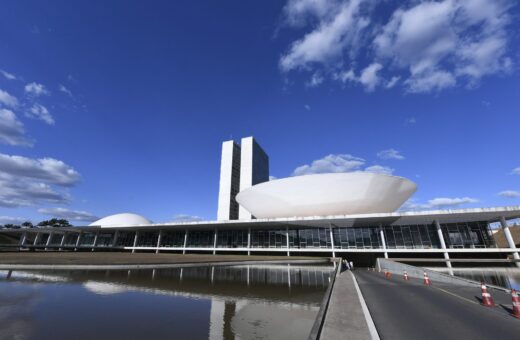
{"points": [[8, 75], [74, 215], [39, 111], [19, 191], [439, 203], [8, 100], [11, 220], [12, 131], [187, 218], [509, 194], [390, 154], [339, 163], [429, 45], [379, 169], [516, 171], [49, 170], [338, 25], [36, 89], [330, 163]]}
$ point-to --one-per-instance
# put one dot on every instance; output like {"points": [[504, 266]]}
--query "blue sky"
{"points": [[122, 106]]}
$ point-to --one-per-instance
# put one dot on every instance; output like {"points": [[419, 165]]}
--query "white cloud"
{"points": [[516, 171], [74, 215], [410, 120], [48, 170], [187, 218], [509, 193], [12, 131], [369, 77], [39, 111], [392, 82], [430, 45], [36, 89], [315, 80], [439, 203], [8, 75], [339, 25], [379, 169], [339, 163], [330, 163], [8, 100], [272, 178], [390, 154], [65, 90], [26, 182], [19, 191], [11, 220], [307, 107]]}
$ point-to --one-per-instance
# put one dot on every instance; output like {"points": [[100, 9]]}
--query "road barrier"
{"points": [[516, 304], [426, 279], [487, 299]]}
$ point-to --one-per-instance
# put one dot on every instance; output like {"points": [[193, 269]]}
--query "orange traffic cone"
{"points": [[426, 279], [387, 274], [516, 304], [487, 300], [405, 276]]}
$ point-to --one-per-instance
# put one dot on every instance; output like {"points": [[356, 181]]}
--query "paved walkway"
{"points": [[345, 317], [409, 310]]}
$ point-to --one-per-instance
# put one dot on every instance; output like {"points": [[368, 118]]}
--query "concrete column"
{"points": [[114, 241], [215, 242], [443, 244], [49, 240], [77, 241], [62, 241], [248, 241], [332, 240], [383, 240], [95, 240], [135, 241], [509, 239], [159, 237], [185, 243], [23, 239], [36, 238], [287, 240]]}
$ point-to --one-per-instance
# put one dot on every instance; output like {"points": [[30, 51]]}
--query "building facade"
{"points": [[241, 167]]}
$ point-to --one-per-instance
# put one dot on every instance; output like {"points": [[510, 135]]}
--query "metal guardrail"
{"points": [[320, 318]]}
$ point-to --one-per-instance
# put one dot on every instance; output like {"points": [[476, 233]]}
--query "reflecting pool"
{"points": [[221, 302]]}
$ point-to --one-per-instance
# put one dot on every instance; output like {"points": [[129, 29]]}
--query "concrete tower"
{"points": [[254, 169], [241, 167], [229, 181]]}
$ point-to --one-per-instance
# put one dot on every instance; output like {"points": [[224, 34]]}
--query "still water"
{"points": [[231, 302]]}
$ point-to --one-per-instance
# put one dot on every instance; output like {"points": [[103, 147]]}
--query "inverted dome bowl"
{"points": [[327, 194]]}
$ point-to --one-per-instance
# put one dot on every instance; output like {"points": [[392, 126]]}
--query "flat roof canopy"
{"points": [[398, 218]]}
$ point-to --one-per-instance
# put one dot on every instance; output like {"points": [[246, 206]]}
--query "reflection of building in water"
{"points": [[221, 315], [221, 282]]}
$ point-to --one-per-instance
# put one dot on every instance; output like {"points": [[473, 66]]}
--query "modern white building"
{"points": [[353, 215], [241, 167]]}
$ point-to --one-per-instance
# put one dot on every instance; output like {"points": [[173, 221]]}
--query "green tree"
{"points": [[27, 224], [55, 222]]}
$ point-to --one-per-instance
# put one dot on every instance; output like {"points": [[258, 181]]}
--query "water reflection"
{"points": [[231, 302]]}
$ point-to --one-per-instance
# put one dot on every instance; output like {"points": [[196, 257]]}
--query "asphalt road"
{"points": [[409, 310]]}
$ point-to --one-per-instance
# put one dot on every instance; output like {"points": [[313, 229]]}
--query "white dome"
{"points": [[326, 195], [121, 220]]}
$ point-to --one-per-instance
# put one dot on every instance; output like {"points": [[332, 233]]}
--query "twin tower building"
{"points": [[241, 167]]}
